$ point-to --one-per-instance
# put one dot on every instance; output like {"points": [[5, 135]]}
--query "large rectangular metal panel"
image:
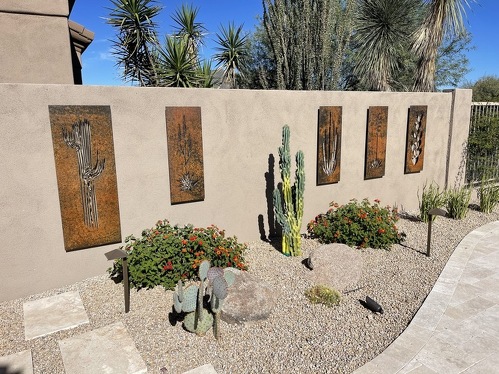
{"points": [[416, 130], [185, 154], [329, 145], [82, 137], [376, 142]]}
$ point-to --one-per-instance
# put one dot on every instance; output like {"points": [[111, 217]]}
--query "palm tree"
{"points": [[136, 37], [382, 28], [185, 18], [443, 17], [233, 52]]}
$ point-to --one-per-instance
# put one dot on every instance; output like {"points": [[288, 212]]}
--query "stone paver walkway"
{"points": [[456, 330]]}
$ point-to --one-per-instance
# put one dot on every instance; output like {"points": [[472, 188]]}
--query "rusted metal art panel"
{"points": [[185, 154], [376, 142], [329, 145], [416, 130], [82, 137]]}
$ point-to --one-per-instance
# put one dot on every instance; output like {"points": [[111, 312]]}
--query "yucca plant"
{"points": [[136, 38], [233, 52], [176, 66]]}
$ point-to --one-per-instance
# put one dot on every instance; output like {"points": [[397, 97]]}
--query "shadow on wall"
{"points": [[274, 227]]}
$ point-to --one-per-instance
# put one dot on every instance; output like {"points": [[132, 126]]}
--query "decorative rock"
{"points": [[335, 265], [249, 299]]}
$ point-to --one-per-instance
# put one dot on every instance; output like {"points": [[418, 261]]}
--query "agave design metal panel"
{"points": [[329, 145], [416, 130], [82, 137], [185, 154], [376, 142]]}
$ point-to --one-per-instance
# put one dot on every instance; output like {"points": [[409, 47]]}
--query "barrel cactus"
{"points": [[214, 281], [289, 209]]}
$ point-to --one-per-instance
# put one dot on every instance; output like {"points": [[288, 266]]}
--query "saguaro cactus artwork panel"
{"points": [[185, 154], [82, 137], [377, 123], [329, 145], [416, 130]]}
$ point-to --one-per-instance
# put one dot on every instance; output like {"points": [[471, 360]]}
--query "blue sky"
{"points": [[99, 65]]}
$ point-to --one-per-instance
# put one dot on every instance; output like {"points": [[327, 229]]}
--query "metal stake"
{"points": [[117, 254], [431, 213]]}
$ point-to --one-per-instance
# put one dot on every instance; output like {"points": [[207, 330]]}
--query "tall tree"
{"points": [[444, 17], [136, 39], [381, 30], [308, 39], [232, 53]]}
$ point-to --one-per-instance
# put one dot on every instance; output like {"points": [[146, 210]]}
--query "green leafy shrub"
{"points": [[323, 295], [483, 150], [357, 224], [429, 199], [166, 254], [488, 194], [457, 201]]}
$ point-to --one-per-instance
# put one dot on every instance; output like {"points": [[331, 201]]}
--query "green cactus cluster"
{"points": [[199, 318], [289, 209]]}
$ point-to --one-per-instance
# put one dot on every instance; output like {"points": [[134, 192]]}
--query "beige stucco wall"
{"points": [[241, 129], [51, 7], [35, 48]]}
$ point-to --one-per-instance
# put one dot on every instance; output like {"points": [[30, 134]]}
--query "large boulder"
{"points": [[335, 265], [249, 299]]}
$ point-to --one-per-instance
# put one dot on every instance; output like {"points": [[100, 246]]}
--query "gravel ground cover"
{"points": [[297, 338]]}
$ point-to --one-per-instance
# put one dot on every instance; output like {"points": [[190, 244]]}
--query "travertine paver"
{"points": [[17, 363], [109, 350], [456, 330], [51, 314]]}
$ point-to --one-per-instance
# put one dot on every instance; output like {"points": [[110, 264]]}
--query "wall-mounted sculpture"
{"points": [[185, 154], [82, 137], [416, 130], [329, 145], [376, 142]]}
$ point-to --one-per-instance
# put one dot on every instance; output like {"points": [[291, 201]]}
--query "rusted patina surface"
{"points": [[82, 137], [416, 130], [329, 145], [185, 154], [376, 142]]}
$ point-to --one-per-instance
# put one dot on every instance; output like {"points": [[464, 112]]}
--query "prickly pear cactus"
{"points": [[202, 326], [190, 298], [229, 276], [214, 281]]}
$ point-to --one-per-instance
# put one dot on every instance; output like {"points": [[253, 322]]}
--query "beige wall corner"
{"points": [[459, 126]]}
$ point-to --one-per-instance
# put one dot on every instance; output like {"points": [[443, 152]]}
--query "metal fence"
{"points": [[483, 146]]}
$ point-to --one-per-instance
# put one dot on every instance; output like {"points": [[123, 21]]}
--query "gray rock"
{"points": [[249, 299], [335, 265]]}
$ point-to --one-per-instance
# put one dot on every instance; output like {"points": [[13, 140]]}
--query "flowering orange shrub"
{"points": [[357, 225], [165, 254]]}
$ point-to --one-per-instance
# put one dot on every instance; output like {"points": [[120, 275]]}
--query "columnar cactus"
{"points": [[289, 213], [214, 282]]}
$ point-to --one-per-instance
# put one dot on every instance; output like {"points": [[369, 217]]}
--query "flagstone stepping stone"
{"points": [[205, 369], [20, 362], [109, 349], [51, 314]]}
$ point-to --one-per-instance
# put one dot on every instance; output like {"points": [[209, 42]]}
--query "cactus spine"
{"points": [[214, 281], [289, 213]]}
